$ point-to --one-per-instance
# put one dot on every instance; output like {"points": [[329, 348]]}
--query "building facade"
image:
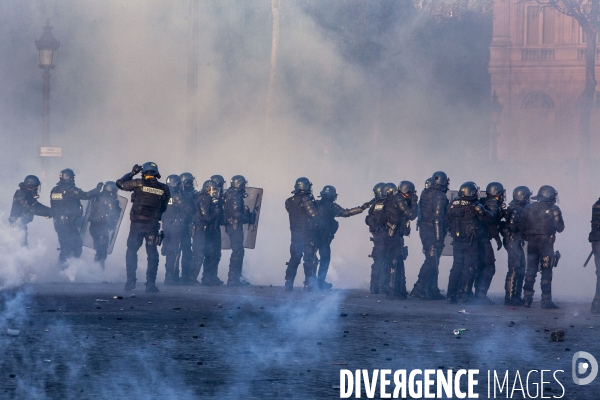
{"points": [[537, 68]]}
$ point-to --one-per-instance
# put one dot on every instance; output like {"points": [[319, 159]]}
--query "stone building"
{"points": [[538, 73]]}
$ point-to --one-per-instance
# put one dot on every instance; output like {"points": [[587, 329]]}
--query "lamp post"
{"points": [[495, 110], [47, 46]]}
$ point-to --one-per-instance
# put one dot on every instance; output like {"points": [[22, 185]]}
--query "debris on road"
{"points": [[459, 331], [12, 332], [557, 336], [101, 301], [464, 312], [511, 324]]}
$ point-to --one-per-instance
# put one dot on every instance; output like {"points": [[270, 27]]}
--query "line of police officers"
{"points": [[470, 222], [191, 223]]}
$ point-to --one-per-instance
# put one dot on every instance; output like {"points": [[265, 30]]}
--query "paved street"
{"points": [[85, 341]]}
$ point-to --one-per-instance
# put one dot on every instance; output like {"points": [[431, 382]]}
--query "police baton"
{"points": [[588, 259]]}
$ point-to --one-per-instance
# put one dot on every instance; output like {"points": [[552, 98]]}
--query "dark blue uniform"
{"points": [[149, 201]]}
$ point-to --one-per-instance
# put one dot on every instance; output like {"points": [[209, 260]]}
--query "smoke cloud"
{"points": [[364, 92]]}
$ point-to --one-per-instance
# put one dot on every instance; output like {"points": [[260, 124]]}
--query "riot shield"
{"points": [[86, 237], [253, 202], [452, 195]]}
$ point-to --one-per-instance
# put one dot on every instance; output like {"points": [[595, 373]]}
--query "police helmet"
{"points": [[440, 180], [302, 185], [211, 188], [522, 194], [218, 179], [377, 192], [31, 181], [495, 189], [111, 187], [406, 188], [469, 191], [173, 181], [546, 193], [238, 182], [388, 189], [329, 192], [188, 182], [151, 169], [67, 176]]}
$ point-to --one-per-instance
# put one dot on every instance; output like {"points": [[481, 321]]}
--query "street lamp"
{"points": [[47, 46], [495, 110]]}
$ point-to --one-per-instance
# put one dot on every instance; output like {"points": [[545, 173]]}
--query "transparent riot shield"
{"points": [[452, 195], [86, 237], [253, 202]]}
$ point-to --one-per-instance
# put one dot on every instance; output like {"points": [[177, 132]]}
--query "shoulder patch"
{"points": [[457, 202], [56, 196], [152, 190]]}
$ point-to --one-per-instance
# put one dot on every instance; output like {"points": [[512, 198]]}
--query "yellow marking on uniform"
{"points": [[56, 196]]}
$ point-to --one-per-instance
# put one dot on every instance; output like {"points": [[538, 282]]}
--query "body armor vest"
{"points": [[326, 211], [464, 223], [175, 213], [65, 202], [539, 219], [595, 232], [147, 200], [300, 220], [513, 215]]}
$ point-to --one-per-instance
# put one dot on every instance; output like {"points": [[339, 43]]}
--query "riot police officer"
{"points": [[174, 224], [25, 205], [67, 211], [206, 218], [433, 225], [385, 249], [303, 215], [212, 251], [105, 212], [594, 238], [399, 210], [188, 193], [513, 243], [375, 215], [327, 211], [466, 216], [486, 268], [236, 215], [149, 201], [539, 224]]}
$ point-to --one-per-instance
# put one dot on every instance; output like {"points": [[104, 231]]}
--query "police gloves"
{"points": [[100, 185], [136, 169]]}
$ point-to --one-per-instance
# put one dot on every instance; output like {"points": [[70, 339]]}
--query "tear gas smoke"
{"points": [[364, 92]]}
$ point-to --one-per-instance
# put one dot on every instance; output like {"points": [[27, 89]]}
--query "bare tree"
{"points": [[587, 14]]}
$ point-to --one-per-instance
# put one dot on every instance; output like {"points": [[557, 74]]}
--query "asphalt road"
{"points": [[95, 341]]}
